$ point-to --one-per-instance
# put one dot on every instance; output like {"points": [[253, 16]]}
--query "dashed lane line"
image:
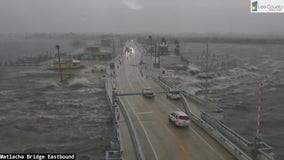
{"points": [[144, 130], [141, 124], [216, 152], [144, 113]]}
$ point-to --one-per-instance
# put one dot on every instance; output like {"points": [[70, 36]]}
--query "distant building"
{"points": [[92, 53], [163, 48], [106, 43], [91, 49], [93, 56], [67, 64], [106, 50]]}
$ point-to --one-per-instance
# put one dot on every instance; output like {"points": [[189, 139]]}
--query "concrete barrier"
{"points": [[232, 141], [210, 129], [118, 153], [162, 84], [214, 110], [264, 152], [213, 132], [133, 133]]}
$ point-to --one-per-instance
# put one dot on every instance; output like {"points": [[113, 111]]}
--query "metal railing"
{"points": [[233, 142], [113, 154], [213, 132], [133, 133], [223, 134], [137, 147]]}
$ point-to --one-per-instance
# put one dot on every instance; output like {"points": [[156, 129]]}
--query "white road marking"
{"points": [[143, 128], [216, 152], [144, 112], [147, 136], [208, 144]]}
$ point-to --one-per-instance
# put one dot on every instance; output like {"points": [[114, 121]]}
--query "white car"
{"points": [[179, 118], [173, 95]]}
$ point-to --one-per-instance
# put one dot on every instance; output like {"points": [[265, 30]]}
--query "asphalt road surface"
{"points": [[159, 139]]}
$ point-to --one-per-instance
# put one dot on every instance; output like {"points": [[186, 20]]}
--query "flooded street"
{"points": [[38, 115]]}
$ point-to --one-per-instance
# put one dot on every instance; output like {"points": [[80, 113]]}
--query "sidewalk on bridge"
{"points": [[128, 147]]}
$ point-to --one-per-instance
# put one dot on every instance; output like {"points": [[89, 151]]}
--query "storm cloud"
{"points": [[131, 16]]}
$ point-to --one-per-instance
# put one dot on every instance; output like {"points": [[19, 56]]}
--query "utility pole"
{"points": [[59, 63], [257, 136], [113, 48], [159, 58], [150, 37], [114, 97], [155, 64]]}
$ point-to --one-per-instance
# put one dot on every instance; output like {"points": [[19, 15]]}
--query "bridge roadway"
{"points": [[159, 139]]}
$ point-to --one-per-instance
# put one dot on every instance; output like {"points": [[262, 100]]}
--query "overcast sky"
{"points": [[131, 16]]}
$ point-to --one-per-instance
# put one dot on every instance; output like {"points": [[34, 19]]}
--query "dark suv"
{"points": [[148, 93], [175, 95]]}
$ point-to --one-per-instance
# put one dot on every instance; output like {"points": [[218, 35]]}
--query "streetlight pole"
{"points": [[114, 96], [150, 37], [159, 58], [113, 48], [59, 63], [257, 137], [155, 64]]}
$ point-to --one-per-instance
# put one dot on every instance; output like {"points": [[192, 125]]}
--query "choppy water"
{"points": [[234, 87], [38, 115]]}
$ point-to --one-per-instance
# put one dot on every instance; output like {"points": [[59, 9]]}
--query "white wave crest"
{"points": [[80, 81]]}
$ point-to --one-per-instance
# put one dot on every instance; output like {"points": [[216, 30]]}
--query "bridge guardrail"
{"points": [[190, 96], [231, 147], [213, 132], [113, 154], [237, 139], [133, 133], [162, 84], [264, 152]]}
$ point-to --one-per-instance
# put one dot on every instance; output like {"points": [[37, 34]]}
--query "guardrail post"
{"points": [[114, 95]]}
